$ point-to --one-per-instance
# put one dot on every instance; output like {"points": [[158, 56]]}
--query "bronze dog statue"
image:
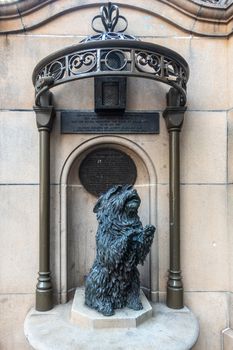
{"points": [[122, 243]]}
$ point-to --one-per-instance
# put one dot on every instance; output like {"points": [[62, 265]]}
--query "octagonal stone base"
{"points": [[86, 317]]}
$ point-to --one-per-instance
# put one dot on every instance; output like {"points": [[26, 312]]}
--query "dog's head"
{"points": [[118, 200]]}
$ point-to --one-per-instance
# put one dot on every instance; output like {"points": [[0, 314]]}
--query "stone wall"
{"points": [[206, 166]]}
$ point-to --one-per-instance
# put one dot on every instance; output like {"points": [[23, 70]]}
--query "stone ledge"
{"points": [[167, 330], [86, 317]]}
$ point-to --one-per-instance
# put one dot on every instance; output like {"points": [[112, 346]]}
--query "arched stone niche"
{"points": [[79, 224]]}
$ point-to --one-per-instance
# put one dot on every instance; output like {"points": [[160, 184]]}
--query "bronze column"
{"points": [[174, 116], [44, 291]]}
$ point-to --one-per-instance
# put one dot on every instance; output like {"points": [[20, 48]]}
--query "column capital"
{"points": [[45, 113], [174, 117], [174, 113]]}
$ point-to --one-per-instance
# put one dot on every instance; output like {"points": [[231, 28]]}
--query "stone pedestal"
{"points": [[86, 317], [167, 329]]}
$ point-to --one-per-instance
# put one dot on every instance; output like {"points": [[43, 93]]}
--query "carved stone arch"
{"points": [[139, 155], [202, 17]]}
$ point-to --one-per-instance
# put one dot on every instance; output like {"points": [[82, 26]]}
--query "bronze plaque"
{"points": [[79, 122], [105, 167]]}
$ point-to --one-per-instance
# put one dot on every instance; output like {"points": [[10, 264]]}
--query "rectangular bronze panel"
{"points": [[78, 122]]}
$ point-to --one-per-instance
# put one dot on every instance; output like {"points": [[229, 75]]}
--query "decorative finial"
{"points": [[109, 15]]}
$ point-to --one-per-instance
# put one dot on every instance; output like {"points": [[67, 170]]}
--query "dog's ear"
{"points": [[127, 187], [106, 196], [113, 190]]}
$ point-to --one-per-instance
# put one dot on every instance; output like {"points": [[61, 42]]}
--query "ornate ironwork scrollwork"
{"points": [[109, 36], [148, 62], [119, 60], [82, 62], [160, 66], [56, 69], [112, 53], [109, 16]]}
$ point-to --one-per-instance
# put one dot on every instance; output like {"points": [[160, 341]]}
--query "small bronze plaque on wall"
{"points": [[105, 167], [79, 122]]}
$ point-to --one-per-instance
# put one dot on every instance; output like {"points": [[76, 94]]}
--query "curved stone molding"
{"points": [[19, 8], [193, 16]]}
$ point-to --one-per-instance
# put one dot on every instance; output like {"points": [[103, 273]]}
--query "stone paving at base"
{"points": [[167, 329]]}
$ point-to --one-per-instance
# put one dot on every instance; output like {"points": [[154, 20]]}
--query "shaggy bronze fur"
{"points": [[122, 243]]}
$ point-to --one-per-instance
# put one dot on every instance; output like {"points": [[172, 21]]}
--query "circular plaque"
{"points": [[104, 168]]}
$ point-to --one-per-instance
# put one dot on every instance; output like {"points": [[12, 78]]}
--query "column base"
{"points": [[44, 300], [175, 298]]}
